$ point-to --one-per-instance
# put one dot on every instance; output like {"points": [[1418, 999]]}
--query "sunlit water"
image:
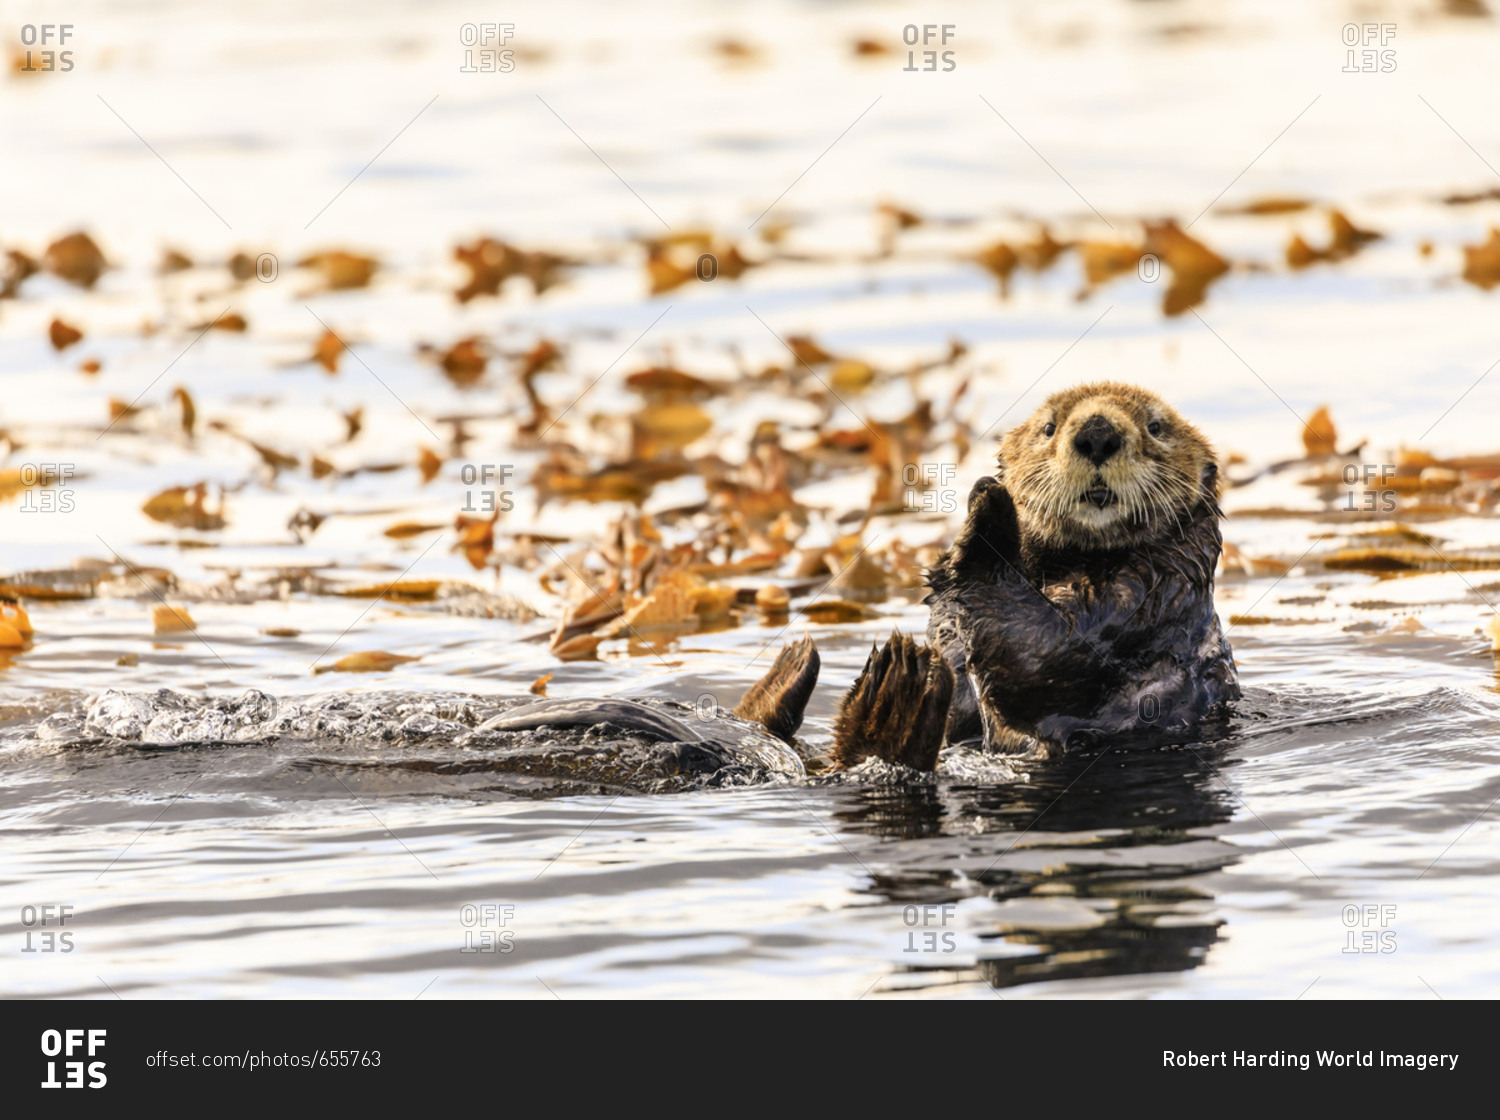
{"points": [[1345, 810]]}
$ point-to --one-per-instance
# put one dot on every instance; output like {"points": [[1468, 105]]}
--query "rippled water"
{"points": [[1349, 806], [1220, 868]]}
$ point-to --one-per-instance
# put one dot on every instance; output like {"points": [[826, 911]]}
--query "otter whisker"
{"points": [[1162, 492]]}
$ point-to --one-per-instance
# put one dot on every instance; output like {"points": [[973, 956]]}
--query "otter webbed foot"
{"points": [[779, 698], [897, 708]]}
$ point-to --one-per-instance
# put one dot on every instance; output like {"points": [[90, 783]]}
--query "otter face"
{"points": [[1102, 465]]}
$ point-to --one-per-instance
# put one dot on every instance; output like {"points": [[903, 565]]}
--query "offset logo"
{"points": [[491, 499], [39, 937], [484, 928], [46, 36], [927, 35], [1369, 928], [45, 488], [929, 487], [1368, 49], [67, 1044], [1372, 480], [493, 56], [927, 928]]}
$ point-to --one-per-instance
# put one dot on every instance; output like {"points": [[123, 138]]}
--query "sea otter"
{"points": [[1074, 607], [1076, 603]]}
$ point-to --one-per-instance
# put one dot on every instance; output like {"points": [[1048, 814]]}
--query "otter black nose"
{"points": [[1097, 440]]}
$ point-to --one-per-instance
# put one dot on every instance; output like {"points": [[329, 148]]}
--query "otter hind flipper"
{"points": [[779, 698], [897, 708]]}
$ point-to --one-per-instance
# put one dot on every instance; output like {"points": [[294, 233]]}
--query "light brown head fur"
{"points": [[1105, 465]]}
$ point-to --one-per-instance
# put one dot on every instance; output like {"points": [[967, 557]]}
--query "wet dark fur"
{"points": [[1063, 646]]}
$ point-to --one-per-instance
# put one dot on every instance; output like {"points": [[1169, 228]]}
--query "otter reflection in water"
{"points": [[1098, 863]]}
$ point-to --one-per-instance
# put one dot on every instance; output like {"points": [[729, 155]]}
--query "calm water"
{"points": [[1348, 806]]}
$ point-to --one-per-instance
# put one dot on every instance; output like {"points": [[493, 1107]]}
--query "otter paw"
{"points": [[779, 698], [897, 708], [991, 535]]}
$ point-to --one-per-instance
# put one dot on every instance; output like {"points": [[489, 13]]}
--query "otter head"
{"points": [[1104, 466]]}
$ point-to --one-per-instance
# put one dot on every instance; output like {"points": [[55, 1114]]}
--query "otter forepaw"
{"points": [[897, 709], [780, 697], [991, 535]]}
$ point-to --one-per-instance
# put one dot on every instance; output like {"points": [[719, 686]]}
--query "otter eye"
{"points": [[1049, 429], [1154, 427]]}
